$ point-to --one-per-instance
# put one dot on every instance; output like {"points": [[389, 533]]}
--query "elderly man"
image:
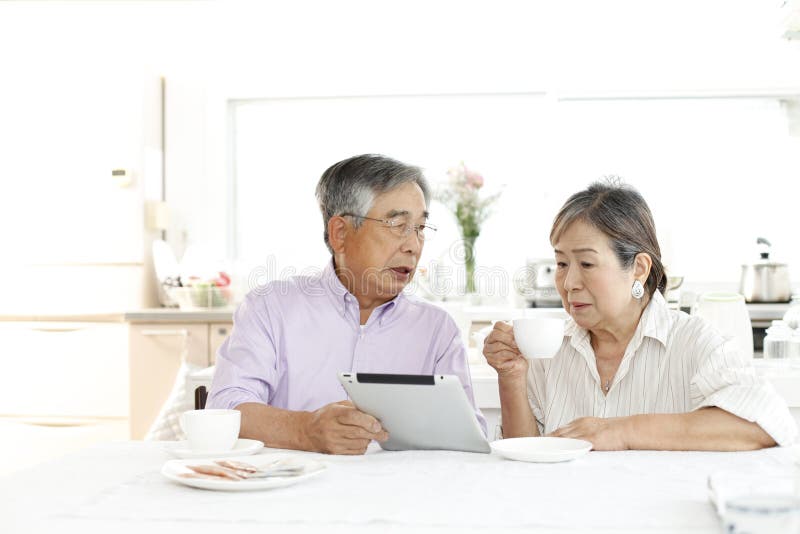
{"points": [[279, 366]]}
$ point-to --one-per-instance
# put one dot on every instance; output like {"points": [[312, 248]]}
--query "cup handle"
{"points": [[182, 422]]}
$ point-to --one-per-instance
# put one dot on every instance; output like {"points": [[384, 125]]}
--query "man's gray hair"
{"points": [[351, 186]]}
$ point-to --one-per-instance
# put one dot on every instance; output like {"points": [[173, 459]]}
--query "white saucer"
{"points": [[174, 468], [243, 447], [541, 449]]}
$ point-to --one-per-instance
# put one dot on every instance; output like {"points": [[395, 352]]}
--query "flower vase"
{"points": [[469, 263]]}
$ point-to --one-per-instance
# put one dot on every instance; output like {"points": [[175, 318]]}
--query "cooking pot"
{"points": [[765, 280]]}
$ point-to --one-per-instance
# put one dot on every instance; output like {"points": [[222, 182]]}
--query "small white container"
{"points": [[778, 343]]}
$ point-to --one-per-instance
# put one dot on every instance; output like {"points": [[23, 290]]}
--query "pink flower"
{"points": [[473, 179]]}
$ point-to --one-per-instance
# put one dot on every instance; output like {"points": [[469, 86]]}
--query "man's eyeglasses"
{"points": [[401, 226]]}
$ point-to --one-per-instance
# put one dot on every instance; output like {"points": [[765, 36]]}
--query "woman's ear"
{"points": [[641, 266], [337, 230]]}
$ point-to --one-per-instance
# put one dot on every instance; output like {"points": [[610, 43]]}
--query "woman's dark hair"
{"points": [[620, 212]]}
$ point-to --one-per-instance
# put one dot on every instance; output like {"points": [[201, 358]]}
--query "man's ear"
{"points": [[337, 231], [642, 265]]}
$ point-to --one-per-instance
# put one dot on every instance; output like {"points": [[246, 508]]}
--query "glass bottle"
{"points": [[792, 316], [794, 357], [777, 341]]}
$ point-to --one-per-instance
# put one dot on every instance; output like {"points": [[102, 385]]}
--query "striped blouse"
{"points": [[675, 363]]}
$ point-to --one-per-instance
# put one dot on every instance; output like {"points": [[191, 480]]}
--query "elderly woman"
{"points": [[630, 373]]}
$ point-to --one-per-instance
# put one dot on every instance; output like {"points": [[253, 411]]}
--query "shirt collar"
{"points": [[336, 291], [655, 322], [342, 298]]}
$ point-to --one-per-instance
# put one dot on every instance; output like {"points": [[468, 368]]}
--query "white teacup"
{"points": [[211, 430], [539, 337]]}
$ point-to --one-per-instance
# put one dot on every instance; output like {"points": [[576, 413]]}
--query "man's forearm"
{"points": [[707, 429], [283, 429], [518, 419]]}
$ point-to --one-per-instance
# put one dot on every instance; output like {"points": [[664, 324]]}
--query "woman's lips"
{"points": [[578, 306]]}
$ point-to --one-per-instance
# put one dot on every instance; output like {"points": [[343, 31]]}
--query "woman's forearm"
{"points": [[517, 417], [707, 429]]}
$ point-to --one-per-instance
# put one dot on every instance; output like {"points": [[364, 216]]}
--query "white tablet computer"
{"points": [[418, 411]]}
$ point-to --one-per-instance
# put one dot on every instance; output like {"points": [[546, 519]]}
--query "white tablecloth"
{"points": [[119, 487]]}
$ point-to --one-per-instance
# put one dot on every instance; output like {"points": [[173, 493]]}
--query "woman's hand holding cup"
{"points": [[501, 352]]}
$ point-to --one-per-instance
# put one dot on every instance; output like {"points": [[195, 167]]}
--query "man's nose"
{"points": [[412, 243]]}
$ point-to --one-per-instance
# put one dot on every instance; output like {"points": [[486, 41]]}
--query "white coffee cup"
{"points": [[539, 337], [211, 430]]}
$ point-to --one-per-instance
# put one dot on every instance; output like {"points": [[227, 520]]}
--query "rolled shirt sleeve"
{"points": [[723, 379], [246, 366]]}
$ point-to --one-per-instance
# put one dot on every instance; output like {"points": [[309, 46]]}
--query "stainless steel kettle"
{"points": [[765, 280]]}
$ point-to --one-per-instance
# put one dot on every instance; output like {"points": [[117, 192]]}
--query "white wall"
{"points": [[708, 167], [75, 68], [563, 49], [76, 101]]}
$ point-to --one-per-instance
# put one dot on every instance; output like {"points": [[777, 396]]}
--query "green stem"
{"points": [[469, 261]]}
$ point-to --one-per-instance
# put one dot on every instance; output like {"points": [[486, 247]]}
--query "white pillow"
{"points": [[167, 425]]}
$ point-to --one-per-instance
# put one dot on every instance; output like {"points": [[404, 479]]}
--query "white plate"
{"points": [[541, 449], [173, 468], [243, 447]]}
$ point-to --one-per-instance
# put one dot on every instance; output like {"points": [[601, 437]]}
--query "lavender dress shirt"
{"points": [[292, 337]]}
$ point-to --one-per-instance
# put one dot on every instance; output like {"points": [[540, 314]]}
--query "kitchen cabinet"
{"points": [[156, 351], [63, 370], [217, 333], [64, 386]]}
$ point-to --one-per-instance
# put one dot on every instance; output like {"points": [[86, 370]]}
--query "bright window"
{"points": [[715, 171]]}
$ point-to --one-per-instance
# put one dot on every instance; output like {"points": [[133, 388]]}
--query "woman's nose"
{"points": [[572, 280]]}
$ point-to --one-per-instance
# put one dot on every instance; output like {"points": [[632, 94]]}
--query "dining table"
{"points": [[118, 488]]}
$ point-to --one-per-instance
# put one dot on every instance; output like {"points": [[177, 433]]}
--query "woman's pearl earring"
{"points": [[637, 290]]}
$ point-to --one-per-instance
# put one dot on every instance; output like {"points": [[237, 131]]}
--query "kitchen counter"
{"points": [[758, 313], [146, 315], [225, 315], [108, 317], [175, 315]]}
